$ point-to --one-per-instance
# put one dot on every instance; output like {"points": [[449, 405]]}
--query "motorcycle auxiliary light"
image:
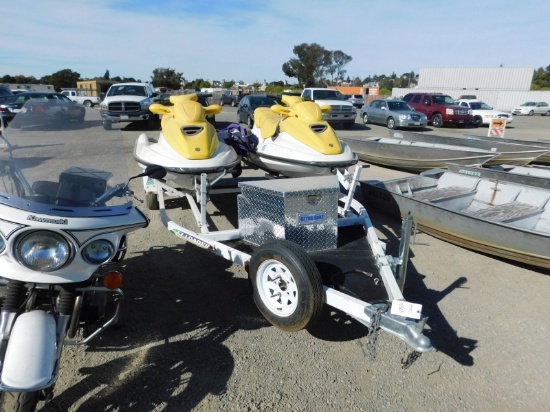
{"points": [[112, 280], [43, 250], [98, 252]]}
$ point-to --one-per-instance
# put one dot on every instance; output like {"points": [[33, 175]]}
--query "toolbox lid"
{"points": [[295, 185]]}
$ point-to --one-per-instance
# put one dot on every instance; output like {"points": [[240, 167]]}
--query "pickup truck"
{"points": [[129, 102], [342, 111], [81, 97]]}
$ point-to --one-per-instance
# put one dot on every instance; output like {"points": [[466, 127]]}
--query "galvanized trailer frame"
{"points": [[391, 270]]}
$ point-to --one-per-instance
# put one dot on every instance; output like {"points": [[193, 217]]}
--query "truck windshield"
{"points": [[127, 91], [328, 95], [443, 99]]}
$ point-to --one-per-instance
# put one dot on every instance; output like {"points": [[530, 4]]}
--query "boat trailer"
{"points": [[306, 242]]}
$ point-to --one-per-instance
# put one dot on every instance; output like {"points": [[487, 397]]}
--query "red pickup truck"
{"points": [[441, 109]]}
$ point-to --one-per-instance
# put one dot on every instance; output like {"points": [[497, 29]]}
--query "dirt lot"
{"points": [[190, 338]]}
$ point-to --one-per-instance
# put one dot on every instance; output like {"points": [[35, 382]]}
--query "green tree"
{"points": [[339, 60], [310, 64], [228, 84], [166, 77], [62, 78], [541, 79], [107, 75]]}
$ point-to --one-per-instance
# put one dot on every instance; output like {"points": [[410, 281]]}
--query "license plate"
{"points": [[15, 110], [124, 116], [417, 123], [461, 121]]}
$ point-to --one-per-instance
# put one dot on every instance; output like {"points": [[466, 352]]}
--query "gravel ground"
{"points": [[190, 337]]}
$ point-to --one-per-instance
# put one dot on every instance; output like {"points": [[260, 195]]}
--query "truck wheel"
{"points": [[152, 201], [531, 113], [391, 123], [88, 103], [286, 283], [107, 125], [233, 103], [437, 120], [222, 102], [478, 121]]}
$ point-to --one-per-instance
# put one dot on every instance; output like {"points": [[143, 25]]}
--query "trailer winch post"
{"points": [[404, 246]]}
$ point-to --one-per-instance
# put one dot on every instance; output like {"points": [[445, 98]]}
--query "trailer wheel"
{"points": [[287, 287], [152, 201]]}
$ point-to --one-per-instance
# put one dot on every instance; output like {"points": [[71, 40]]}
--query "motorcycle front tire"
{"points": [[19, 401]]}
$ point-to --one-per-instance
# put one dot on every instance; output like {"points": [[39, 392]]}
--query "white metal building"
{"points": [[501, 87], [476, 78]]}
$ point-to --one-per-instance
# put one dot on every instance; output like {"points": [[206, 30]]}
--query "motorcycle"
{"points": [[65, 215]]}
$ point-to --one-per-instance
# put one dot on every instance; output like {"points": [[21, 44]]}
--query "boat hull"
{"points": [[414, 157], [505, 240], [505, 153]]}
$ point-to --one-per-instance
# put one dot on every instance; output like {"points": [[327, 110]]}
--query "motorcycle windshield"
{"points": [[57, 159]]}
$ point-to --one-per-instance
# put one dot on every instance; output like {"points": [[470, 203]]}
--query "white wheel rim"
{"points": [[277, 288]]}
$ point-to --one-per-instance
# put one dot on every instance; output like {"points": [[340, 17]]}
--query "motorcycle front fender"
{"points": [[30, 360]]}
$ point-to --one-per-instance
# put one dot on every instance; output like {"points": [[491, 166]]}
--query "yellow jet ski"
{"points": [[188, 144], [295, 141]]}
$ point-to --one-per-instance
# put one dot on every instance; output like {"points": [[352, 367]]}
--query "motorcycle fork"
{"points": [[13, 301], [16, 299]]}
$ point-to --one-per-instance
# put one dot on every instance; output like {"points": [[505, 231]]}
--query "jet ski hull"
{"points": [[180, 170], [288, 157]]}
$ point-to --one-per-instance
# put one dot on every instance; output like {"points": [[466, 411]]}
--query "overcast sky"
{"points": [[249, 40]]}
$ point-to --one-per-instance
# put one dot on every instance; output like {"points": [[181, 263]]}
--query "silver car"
{"points": [[394, 114]]}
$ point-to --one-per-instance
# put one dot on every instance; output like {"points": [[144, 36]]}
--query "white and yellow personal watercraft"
{"points": [[295, 141], [188, 145]]}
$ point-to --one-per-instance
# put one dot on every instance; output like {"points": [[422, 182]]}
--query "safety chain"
{"points": [[373, 331], [411, 358]]}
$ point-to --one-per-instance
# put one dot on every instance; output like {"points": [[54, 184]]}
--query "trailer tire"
{"points": [[152, 201], [286, 285]]}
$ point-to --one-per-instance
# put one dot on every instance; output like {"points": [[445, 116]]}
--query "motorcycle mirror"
{"points": [[154, 171]]}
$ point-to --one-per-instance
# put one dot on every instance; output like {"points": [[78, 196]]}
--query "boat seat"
{"points": [[508, 212], [450, 187], [445, 193]]}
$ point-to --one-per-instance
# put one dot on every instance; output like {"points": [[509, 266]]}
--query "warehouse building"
{"points": [[501, 87]]}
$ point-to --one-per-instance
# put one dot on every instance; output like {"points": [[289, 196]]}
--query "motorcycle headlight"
{"points": [[98, 252], [43, 250]]}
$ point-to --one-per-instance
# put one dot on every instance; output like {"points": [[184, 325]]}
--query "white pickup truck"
{"points": [[81, 97], [343, 111]]}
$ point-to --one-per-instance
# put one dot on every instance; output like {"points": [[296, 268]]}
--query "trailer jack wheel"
{"points": [[287, 287]]}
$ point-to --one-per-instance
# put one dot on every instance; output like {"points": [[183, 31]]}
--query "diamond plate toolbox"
{"points": [[302, 210]]}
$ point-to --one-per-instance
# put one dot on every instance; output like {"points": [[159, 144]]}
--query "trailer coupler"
{"points": [[406, 329]]}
